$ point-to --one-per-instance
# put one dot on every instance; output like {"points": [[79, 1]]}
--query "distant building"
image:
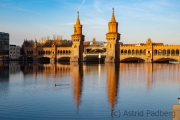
{"points": [[86, 43], [97, 43], [120, 43], [105, 44], [14, 52], [4, 45], [14, 67]]}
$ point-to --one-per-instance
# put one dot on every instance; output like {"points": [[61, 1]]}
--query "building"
{"points": [[14, 67], [14, 52], [4, 45]]}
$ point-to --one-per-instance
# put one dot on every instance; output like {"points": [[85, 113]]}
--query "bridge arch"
{"points": [[64, 59], [137, 52], [155, 52], [140, 52], [144, 51], [43, 59], [29, 58], [125, 51], [63, 52], [172, 52], [165, 60], [133, 52], [122, 51], [159, 51], [163, 52], [129, 52], [132, 59], [177, 52]]}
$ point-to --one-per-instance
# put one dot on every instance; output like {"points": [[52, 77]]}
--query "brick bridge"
{"points": [[113, 52], [150, 52]]}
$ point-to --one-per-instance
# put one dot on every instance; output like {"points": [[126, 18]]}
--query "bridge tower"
{"points": [[149, 51], [77, 40], [112, 37], [53, 52], [35, 50]]}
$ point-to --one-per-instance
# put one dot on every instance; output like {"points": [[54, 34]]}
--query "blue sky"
{"points": [[138, 19]]}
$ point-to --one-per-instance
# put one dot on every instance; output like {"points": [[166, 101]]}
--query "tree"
{"points": [[48, 38], [54, 37]]}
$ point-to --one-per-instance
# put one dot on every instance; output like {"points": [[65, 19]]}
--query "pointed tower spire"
{"points": [[78, 20], [112, 37], [78, 41], [113, 17]]}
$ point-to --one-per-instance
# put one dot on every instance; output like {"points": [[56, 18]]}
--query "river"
{"points": [[128, 91]]}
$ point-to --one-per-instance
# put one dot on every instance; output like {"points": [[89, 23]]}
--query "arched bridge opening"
{"points": [[95, 55], [63, 59], [133, 60], [165, 60], [29, 59], [44, 60]]}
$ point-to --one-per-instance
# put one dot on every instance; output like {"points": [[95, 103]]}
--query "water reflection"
{"points": [[77, 79], [46, 69], [4, 79], [112, 83], [58, 71], [4, 71], [153, 74], [14, 68], [149, 76], [92, 87]]}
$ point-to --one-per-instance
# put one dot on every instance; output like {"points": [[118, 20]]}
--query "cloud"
{"points": [[11, 6], [83, 1], [25, 10], [96, 6]]}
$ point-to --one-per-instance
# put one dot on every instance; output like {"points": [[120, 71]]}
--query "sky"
{"points": [[137, 20]]}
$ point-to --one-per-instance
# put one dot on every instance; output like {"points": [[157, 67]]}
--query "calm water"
{"points": [[128, 91]]}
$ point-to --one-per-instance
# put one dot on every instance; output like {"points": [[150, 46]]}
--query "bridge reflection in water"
{"points": [[117, 76]]}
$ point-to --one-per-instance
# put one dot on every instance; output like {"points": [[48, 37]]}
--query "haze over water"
{"points": [[88, 91]]}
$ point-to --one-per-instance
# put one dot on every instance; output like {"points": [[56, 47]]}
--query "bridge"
{"points": [[149, 52], [38, 53], [112, 52], [94, 54]]}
